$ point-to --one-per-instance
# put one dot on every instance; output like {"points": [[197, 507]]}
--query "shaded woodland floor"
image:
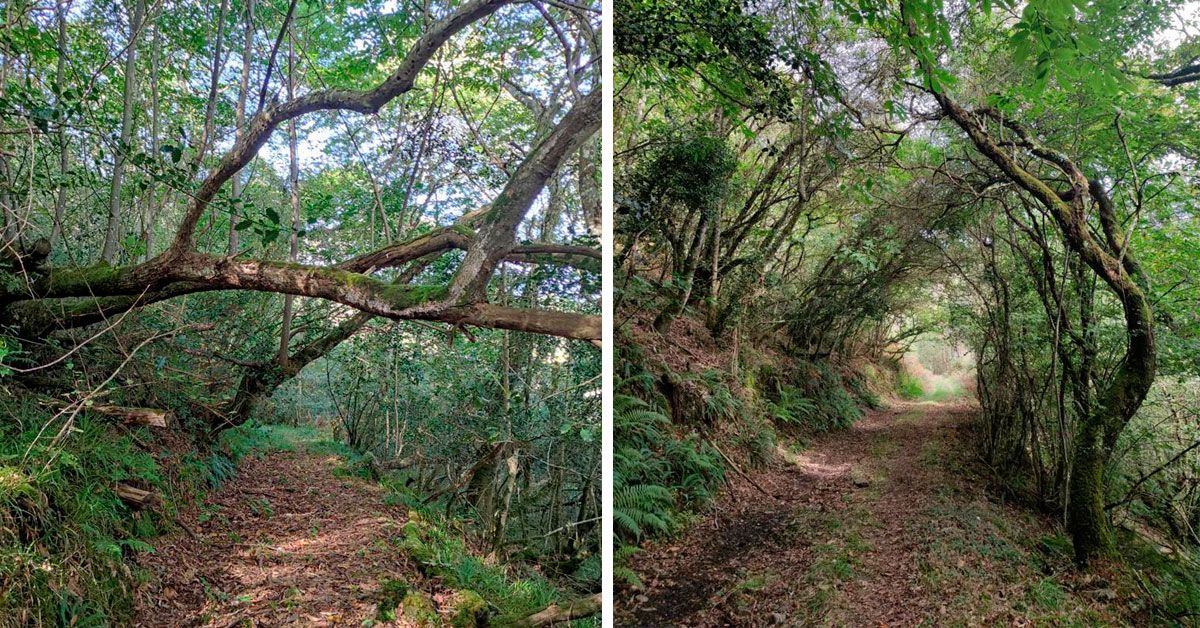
{"points": [[884, 524], [286, 542]]}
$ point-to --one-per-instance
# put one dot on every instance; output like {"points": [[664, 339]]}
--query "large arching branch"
{"points": [[37, 317], [186, 271], [1121, 397], [497, 235], [369, 101]]}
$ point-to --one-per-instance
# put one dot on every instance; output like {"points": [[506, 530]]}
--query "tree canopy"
{"points": [[372, 222], [1017, 179]]}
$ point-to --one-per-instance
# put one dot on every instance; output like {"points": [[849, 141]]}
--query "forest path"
{"points": [[284, 542], [878, 525]]}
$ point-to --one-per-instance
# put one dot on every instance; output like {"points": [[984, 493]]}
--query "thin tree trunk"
{"points": [[285, 331], [247, 51], [210, 108], [11, 228], [60, 199], [150, 211], [113, 233], [714, 285], [434, 99], [283, 30], [662, 323]]}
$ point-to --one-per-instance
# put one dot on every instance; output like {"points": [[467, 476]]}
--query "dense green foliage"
{"points": [[64, 532], [1017, 182], [455, 417], [139, 140]]}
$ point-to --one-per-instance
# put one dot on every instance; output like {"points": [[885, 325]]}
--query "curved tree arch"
{"points": [[48, 297]]}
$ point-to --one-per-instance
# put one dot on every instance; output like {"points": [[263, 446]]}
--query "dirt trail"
{"points": [[842, 543], [286, 542]]}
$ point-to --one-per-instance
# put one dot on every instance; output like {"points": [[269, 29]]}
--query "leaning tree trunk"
{"points": [[662, 322], [1098, 434], [1097, 437], [1114, 263]]}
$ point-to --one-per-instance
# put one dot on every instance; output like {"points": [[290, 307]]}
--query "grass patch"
{"points": [[1047, 595], [911, 417], [837, 556], [884, 448], [739, 597], [931, 455], [909, 387], [254, 439], [974, 551], [944, 390]]}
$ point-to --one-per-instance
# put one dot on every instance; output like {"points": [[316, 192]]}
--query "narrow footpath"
{"points": [[884, 524], [285, 542]]}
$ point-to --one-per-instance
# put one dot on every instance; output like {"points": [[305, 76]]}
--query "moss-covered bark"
{"points": [[1085, 513], [1111, 260]]}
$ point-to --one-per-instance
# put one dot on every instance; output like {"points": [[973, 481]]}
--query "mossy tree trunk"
{"points": [[1112, 261]]}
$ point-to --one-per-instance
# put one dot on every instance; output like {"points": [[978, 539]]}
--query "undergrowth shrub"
{"points": [[858, 385], [703, 398], [719, 401], [65, 535], [441, 554], [63, 530], [1172, 582], [656, 474], [655, 470], [817, 399], [909, 387], [793, 407], [643, 509], [754, 436]]}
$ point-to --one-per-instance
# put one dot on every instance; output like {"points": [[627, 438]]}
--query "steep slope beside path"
{"points": [[285, 542]]}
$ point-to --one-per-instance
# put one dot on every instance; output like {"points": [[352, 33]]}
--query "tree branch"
{"points": [[369, 102]]}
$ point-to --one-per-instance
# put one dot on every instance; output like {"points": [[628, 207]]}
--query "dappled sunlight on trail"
{"points": [[873, 525], [286, 542]]}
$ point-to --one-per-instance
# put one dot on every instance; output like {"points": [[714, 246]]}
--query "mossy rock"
{"points": [[470, 610], [391, 594], [419, 607]]}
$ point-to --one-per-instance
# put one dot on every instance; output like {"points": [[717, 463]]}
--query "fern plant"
{"points": [[621, 570], [655, 471], [642, 508], [793, 408], [719, 401]]}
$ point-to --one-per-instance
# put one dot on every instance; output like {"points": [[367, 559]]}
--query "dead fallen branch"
{"points": [[135, 497], [556, 614], [149, 417], [739, 471]]}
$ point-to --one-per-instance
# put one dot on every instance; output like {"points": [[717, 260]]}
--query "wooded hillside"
{"points": [[286, 229], [807, 194]]}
